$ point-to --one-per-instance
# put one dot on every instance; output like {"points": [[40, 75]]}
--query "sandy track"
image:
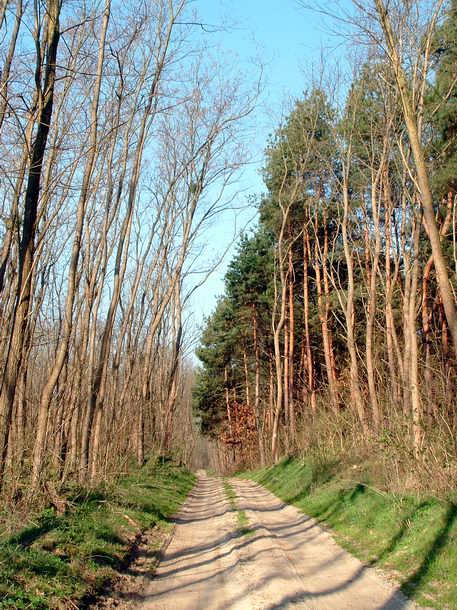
{"points": [[289, 562]]}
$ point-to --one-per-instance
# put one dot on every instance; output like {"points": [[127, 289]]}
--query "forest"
{"points": [[337, 330], [325, 372], [116, 124], [122, 137]]}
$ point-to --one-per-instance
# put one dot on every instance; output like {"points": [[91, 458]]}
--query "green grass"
{"points": [[414, 537], [59, 561], [242, 520]]}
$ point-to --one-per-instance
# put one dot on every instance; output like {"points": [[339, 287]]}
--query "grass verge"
{"points": [[413, 537], [242, 519], [59, 561]]}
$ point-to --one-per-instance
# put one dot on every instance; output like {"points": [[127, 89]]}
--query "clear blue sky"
{"points": [[288, 40]]}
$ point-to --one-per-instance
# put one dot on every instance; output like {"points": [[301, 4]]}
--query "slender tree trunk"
{"points": [[290, 378], [40, 442], [416, 406], [442, 274], [309, 354], [227, 402], [372, 310], [27, 243], [427, 312], [6, 67], [285, 382], [389, 317], [247, 393], [257, 386], [323, 309], [277, 330], [356, 395]]}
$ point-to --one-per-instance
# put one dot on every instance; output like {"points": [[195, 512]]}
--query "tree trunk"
{"points": [[372, 310], [323, 310], [290, 378], [389, 316], [309, 354], [416, 406], [257, 387], [27, 243], [356, 395], [61, 355], [422, 174]]}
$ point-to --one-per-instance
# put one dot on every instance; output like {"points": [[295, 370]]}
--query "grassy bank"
{"points": [[59, 560], [412, 536]]}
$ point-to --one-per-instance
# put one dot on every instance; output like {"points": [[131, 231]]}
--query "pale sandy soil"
{"points": [[289, 562]]}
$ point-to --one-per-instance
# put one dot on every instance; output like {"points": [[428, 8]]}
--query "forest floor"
{"points": [[53, 561], [237, 546]]}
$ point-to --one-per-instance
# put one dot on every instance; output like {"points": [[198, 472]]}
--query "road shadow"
{"points": [[205, 566]]}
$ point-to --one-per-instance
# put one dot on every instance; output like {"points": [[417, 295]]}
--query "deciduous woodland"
{"points": [[119, 135], [337, 331]]}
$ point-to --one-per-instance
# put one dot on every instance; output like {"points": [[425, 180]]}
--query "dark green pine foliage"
{"points": [[217, 346], [249, 278], [229, 330], [295, 155], [442, 105], [301, 164], [298, 171]]}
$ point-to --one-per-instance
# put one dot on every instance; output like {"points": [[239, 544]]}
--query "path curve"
{"points": [[289, 561]]}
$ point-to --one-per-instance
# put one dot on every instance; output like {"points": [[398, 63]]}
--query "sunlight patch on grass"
{"points": [[60, 559], [414, 537]]}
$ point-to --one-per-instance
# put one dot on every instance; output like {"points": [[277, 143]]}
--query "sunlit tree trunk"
{"points": [[320, 268], [62, 351], [291, 350], [309, 353], [411, 120], [27, 244]]}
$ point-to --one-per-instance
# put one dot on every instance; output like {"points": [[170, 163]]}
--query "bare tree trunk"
{"points": [[421, 169], [356, 395], [174, 364], [309, 354], [257, 386], [285, 382], [290, 378], [389, 316], [247, 393], [323, 310], [40, 442], [6, 68], [27, 243], [416, 406], [277, 329], [427, 312], [372, 307]]}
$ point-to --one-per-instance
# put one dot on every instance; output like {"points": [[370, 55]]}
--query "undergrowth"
{"points": [[412, 536], [58, 561]]}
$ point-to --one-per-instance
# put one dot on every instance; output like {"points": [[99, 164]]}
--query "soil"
{"points": [[287, 560]]}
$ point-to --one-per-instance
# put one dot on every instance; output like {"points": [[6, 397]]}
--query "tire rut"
{"points": [[286, 561]]}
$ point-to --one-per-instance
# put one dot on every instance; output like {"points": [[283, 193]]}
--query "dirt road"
{"points": [[288, 562]]}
